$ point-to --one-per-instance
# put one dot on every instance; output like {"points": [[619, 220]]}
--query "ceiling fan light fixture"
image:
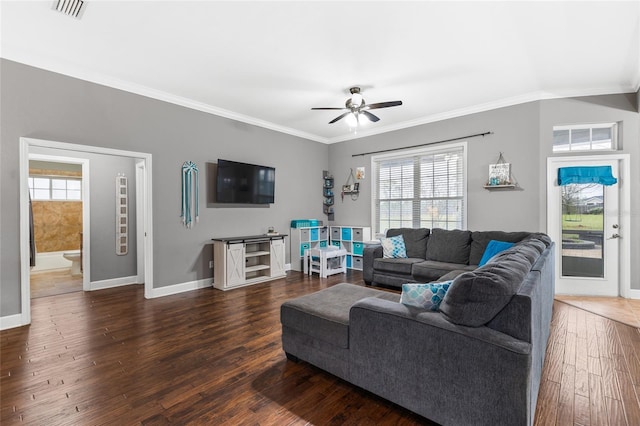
{"points": [[352, 120], [356, 99]]}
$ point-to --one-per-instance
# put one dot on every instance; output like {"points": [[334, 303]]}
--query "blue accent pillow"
{"points": [[494, 247], [426, 296], [393, 247]]}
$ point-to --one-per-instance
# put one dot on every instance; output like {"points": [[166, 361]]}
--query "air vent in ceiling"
{"points": [[72, 8]]}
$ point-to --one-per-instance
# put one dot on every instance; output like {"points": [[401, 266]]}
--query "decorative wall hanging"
{"points": [[189, 193], [351, 187], [122, 221], [500, 175]]}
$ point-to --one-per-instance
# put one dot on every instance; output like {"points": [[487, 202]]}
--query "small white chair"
{"points": [[325, 261]]}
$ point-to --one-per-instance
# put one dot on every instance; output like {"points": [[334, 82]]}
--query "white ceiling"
{"points": [[268, 63]]}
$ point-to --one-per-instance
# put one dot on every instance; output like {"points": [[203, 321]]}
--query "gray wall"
{"points": [[105, 263], [524, 133], [515, 133], [45, 105]]}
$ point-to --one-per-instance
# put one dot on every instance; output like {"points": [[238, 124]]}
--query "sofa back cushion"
{"points": [[451, 246], [415, 240], [480, 239], [475, 298]]}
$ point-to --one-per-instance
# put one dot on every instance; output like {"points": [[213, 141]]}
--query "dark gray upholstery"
{"points": [[415, 240], [449, 373], [480, 239], [450, 246], [431, 270], [401, 265]]}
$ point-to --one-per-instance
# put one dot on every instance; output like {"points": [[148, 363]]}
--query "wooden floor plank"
{"points": [[212, 357]]}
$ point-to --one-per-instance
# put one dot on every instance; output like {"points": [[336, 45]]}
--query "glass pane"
{"points": [[41, 183], [73, 184], [560, 140], [601, 138], [41, 194], [582, 230], [580, 139], [59, 183], [58, 194], [73, 195]]}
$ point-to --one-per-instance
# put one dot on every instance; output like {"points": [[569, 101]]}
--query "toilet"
{"points": [[74, 257]]}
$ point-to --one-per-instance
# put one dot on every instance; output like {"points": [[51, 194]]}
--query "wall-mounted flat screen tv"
{"points": [[243, 183]]}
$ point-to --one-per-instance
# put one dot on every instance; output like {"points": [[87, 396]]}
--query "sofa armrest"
{"points": [[368, 256], [443, 371]]}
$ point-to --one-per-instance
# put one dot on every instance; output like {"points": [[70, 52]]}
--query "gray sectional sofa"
{"points": [[476, 361], [432, 255]]}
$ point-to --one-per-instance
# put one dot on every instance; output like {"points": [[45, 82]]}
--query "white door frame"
{"points": [[141, 214], [86, 210], [624, 181], [147, 231]]}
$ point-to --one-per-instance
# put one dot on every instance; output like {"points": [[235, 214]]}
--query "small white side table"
{"points": [[319, 260]]}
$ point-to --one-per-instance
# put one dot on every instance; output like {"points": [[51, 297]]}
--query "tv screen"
{"points": [[243, 183]]}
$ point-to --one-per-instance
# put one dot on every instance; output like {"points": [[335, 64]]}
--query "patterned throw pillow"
{"points": [[393, 247], [427, 296]]}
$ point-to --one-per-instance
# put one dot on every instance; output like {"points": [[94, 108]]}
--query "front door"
{"points": [[584, 221]]}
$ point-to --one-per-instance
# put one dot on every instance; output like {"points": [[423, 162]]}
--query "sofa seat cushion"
{"points": [[324, 315], [451, 246], [431, 270], [397, 266]]}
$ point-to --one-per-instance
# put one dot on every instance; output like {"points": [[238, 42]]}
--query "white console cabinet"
{"points": [[241, 261]]}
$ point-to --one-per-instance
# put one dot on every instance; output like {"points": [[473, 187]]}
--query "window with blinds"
{"points": [[421, 189]]}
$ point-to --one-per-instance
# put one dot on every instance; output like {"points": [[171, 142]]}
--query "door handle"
{"points": [[613, 236]]}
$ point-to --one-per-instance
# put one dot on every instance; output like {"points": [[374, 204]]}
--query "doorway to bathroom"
{"points": [[106, 166], [59, 210]]}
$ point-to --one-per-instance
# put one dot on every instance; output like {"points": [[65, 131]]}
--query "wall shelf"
{"points": [[491, 187]]}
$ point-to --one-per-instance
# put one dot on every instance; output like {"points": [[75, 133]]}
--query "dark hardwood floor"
{"points": [[213, 357]]}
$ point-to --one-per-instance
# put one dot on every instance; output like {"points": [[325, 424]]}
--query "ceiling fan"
{"points": [[356, 108]]}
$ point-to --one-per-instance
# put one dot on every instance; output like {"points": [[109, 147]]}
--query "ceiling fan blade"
{"points": [[383, 105], [370, 116], [330, 108], [340, 117]]}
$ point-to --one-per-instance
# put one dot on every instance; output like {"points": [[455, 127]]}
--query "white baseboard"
{"points": [[114, 282], [634, 293], [287, 267], [181, 288], [11, 321]]}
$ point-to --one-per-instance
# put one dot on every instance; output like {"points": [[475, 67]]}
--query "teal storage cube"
{"points": [[346, 234], [314, 234], [303, 247], [323, 243], [358, 248], [349, 261], [336, 243]]}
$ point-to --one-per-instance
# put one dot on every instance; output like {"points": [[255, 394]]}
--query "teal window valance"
{"points": [[594, 174]]}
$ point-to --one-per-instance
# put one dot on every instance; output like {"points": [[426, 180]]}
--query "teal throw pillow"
{"points": [[494, 247], [393, 247], [427, 296]]}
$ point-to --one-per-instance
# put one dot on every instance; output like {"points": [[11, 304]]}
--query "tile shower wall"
{"points": [[56, 224]]}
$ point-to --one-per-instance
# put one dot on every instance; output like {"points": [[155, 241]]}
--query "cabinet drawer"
{"points": [[357, 263], [346, 234], [335, 233], [303, 247], [324, 234], [358, 248], [314, 234], [357, 234]]}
